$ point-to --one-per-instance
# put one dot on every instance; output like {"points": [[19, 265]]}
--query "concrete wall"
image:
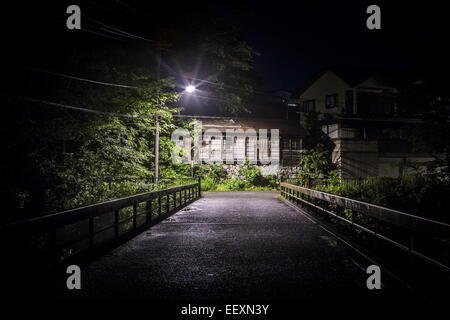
{"points": [[392, 165], [361, 159], [356, 158]]}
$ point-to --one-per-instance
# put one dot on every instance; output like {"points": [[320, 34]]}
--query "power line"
{"points": [[104, 83], [114, 32], [117, 85], [83, 79], [121, 85], [124, 33], [100, 34], [64, 106], [229, 86], [129, 7]]}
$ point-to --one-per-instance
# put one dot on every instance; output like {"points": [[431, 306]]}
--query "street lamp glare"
{"points": [[190, 89]]}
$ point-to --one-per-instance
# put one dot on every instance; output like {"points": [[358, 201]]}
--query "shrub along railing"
{"points": [[71, 235], [418, 237]]}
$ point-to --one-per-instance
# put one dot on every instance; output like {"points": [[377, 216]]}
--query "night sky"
{"points": [[295, 38], [298, 38]]}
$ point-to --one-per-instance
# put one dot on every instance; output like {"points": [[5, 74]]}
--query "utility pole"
{"points": [[158, 66], [157, 151]]}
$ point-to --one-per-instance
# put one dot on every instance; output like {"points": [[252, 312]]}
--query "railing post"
{"points": [[159, 205], [53, 255], [167, 202], [411, 248], [116, 223], [134, 215], [148, 209], [199, 187], [174, 200], [91, 233]]}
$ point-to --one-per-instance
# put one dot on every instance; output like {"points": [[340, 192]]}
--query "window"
{"points": [[247, 147], [331, 101], [331, 130], [309, 106]]}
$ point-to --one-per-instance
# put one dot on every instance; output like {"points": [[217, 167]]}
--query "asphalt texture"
{"points": [[229, 246]]}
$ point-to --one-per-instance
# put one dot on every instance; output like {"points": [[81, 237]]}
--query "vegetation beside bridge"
{"points": [[423, 193]]}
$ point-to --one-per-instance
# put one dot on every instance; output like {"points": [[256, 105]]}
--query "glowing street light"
{"points": [[190, 89]]}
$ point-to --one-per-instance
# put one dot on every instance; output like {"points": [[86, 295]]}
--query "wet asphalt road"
{"points": [[228, 246]]}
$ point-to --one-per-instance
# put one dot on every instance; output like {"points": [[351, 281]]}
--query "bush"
{"points": [[208, 184], [235, 184], [251, 174], [271, 181], [214, 171], [214, 177], [413, 194], [315, 164]]}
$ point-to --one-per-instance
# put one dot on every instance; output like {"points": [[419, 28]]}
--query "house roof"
{"points": [[286, 127], [352, 77]]}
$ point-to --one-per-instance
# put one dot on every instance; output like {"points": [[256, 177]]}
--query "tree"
{"points": [[315, 164], [231, 60], [61, 158], [215, 56], [431, 103]]}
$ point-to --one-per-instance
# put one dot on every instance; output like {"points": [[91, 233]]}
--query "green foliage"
{"points": [[415, 194], [60, 159], [314, 164], [434, 110], [253, 177], [251, 174], [425, 195], [271, 181], [57, 159], [230, 60], [214, 178], [209, 183], [235, 184], [211, 175]]}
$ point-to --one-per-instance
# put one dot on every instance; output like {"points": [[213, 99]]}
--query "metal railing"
{"points": [[407, 232], [56, 238]]}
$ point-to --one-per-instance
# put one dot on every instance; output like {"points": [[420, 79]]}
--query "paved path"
{"points": [[229, 245]]}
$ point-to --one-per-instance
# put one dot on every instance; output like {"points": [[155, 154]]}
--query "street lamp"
{"points": [[190, 89]]}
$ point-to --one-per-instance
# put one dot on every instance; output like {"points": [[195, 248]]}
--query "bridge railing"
{"points": [[419, 237], [68, 235]]}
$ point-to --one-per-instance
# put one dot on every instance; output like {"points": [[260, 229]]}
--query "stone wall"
{"points": [[283, 172], [288, 173], [233, 169]]}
